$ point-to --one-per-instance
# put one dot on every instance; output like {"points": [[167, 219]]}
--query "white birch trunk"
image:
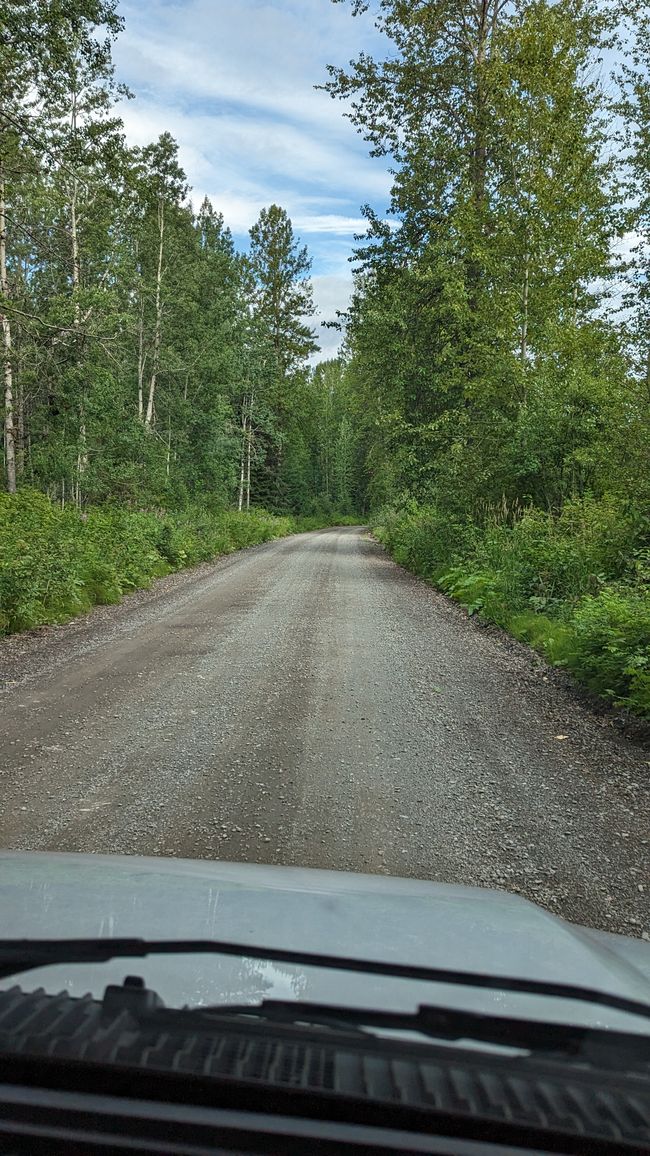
{"points": [[248, 468], [242, 459], [7, 371], [82, 456], [148, 420], [248, 450], [141, 364]]}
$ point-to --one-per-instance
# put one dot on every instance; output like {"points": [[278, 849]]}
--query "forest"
{"points": [[489, 413]]}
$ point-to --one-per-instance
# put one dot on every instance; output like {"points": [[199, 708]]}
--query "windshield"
{"points": [[324, 550]]}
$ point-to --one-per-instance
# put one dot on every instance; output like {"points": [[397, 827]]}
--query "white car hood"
{"points": [[371, 917]]}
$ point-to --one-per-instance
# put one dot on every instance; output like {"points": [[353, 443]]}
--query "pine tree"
{"points": [[283, 296]]}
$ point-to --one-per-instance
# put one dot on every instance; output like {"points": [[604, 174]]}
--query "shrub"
{"points": [[56, 563], [423, 539], [574, 586], [612, 639]]}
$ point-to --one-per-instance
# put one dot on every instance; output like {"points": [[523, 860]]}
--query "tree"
{"points": [[632, 109], [466, 309], [60, 106], [164, 187], [16, 80], [143, 359], [282, 299], [282, 295]]}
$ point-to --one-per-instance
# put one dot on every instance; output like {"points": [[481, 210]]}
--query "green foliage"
{"points": [[478, 592], [573, 586], [55, 563], [423, 538], [552, 638], [612, 634], [502, 406], [147, 360]]}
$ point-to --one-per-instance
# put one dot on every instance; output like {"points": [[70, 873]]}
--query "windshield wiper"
{"points": [[438, 1023], [20, 955]]}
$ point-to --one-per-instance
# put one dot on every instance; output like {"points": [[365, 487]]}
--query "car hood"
{"points": [[372, 917]]}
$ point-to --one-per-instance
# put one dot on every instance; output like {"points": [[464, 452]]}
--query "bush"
{"points": [[423, 539], [543, 561], [56, 563], [574, 586], [612, 645]]}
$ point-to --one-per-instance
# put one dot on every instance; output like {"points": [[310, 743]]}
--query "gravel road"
{"points": [[309, 702]]}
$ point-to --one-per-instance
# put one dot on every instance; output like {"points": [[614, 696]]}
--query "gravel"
{"points": [[308, 702]]}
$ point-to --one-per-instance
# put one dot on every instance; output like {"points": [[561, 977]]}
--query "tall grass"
{"points": [[575, 585]]}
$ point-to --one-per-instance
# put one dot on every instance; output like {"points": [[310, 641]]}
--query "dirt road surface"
{"points": [[308, 702]]}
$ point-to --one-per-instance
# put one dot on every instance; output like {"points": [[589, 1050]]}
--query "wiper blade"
{"points": [[20, 955], [439, 1023]]}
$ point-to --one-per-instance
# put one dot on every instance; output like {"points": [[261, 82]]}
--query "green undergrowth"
{"points": [[574, 586], [57, 563]]}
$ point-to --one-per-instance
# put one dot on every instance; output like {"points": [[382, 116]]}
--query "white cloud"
{"points": [[331, 223], [234, 84], [240, 195], [264, 54], [331, 295]]}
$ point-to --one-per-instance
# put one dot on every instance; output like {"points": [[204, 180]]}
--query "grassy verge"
{"points": [[55, 564], [576, 587]]}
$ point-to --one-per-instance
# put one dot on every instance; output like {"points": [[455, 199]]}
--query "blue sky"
{"points": [[232, 80]]}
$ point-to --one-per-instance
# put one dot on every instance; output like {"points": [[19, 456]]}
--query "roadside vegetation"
{"points": [[490, 411], [572, 586], [498, 344], [159, 408], [146, 361], [56, 562]]}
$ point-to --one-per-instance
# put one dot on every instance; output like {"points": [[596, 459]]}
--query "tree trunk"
{"points": [[328, 440], [248, 451], [9, 432], [20, 431], [485, 25], [242, 471], [158, 330], [142, 357], [485, 29], [248, 467], [74, 240], [140, 377], [82, 456]]}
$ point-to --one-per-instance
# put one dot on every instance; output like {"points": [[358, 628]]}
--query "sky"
{"points": [[233, 81]]}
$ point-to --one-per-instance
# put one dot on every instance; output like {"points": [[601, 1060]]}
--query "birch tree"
{"points": [[164, 188], [16, 79]]}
